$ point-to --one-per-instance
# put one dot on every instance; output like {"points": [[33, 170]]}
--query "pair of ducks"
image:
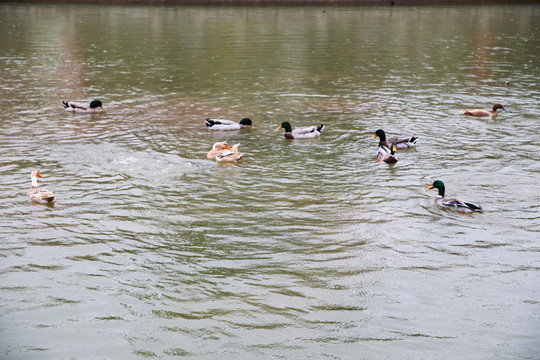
{"points": [[96, 106], [221, 151], [457, 204], [45, 196], [308, 132], [387, 153]]}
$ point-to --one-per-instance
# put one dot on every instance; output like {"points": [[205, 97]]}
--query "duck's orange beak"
{"points": [[430, 187], [279, 127], [39, 174], [374, 137]]}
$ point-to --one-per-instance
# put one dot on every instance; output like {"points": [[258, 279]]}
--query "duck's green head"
{"points": [[380, 134], [285, 125], [96, 104], [246, 122], [438, 184]]}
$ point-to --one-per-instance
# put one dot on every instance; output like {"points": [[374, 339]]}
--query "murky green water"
{"points": [[307, 249]]}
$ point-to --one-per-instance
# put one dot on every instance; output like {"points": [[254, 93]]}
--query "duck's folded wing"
{"points": [[222, 124], [223, 154], [77, 105], [460, 204], [41, 195], [383, 152], [476, 112], [304, 130], [452, 202], [403, 139]]}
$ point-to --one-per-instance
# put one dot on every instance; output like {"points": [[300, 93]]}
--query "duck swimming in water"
{"points": [[478, 112], [455, 204], [94, 106], [221, 151], [388, 156], [38, 194], [222, 124], [402, 142], [308, 132]]}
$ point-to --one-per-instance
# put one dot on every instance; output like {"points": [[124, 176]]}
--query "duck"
{"points": [[221, 151], [455, 204], [38, 194], [401, 142], [308, 132], [222, 124], [232, 156], [388, 156], [94, 106], [479, 112]]}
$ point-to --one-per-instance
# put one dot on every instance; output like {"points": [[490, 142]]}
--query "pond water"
{"points": [[308, 248]]}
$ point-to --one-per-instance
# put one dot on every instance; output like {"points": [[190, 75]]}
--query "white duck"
{"points": [[221, 151], [38, 194]]}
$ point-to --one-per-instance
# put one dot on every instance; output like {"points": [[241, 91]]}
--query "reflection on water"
{"points": [[305, 249]]}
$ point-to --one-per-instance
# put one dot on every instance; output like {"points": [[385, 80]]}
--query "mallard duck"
{"points": [[401, 142], [222, 124], [301, 132], [478, 112], [38, 194], [93, 107], [221, 151], [456, 204], [388, 156]]}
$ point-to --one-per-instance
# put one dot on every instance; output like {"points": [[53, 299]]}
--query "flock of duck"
{"points": [[221, 151]]}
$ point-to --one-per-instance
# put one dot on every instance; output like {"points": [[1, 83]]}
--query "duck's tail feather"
{"points": [[66, 104], [413, 139], [391, 159], [320, 128], [474, 207], [209, 122]]}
